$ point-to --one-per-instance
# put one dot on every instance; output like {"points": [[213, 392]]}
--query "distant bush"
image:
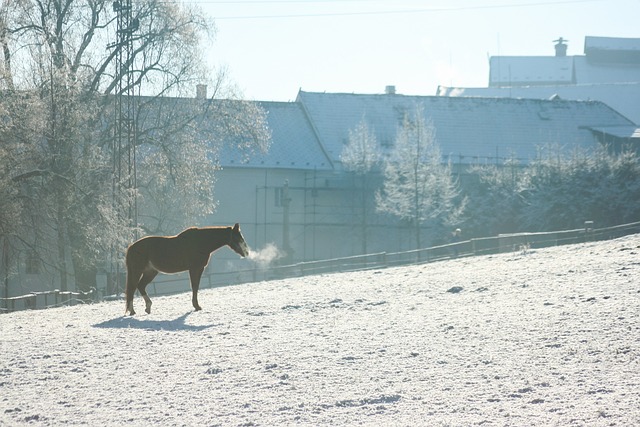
{"points": [[553, 193]]}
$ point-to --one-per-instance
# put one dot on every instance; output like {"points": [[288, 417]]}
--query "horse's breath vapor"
{"points": [[265, 256]]}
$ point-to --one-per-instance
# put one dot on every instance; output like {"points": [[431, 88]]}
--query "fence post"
{"points": [[588, 231]]}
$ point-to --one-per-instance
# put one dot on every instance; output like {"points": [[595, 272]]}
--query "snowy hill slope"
{"points": [[550, 337]]}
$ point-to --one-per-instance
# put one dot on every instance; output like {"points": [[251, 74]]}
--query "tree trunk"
{"points": [[85, 274], [364, 213], [62, 260]]}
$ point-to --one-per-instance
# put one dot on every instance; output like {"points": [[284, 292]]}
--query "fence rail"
{"points": [[474, 247], [46, 299]]}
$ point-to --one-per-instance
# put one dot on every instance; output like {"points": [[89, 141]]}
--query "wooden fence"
{"points": [[474, 247], [46, 299]]}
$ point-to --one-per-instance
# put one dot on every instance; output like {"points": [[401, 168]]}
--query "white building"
{"points": [[608, 71]]}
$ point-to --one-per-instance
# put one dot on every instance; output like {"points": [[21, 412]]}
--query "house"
{"points": [[609, 71], [298, 197]]}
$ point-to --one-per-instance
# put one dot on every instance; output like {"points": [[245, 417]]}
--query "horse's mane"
{"points": [[187, 231], [190, 231]]}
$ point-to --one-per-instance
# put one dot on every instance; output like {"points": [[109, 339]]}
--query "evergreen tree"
{"points": [[359, 156], [417, 186]]}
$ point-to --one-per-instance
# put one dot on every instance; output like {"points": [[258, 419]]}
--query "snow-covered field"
{"points": [[549, 337]]}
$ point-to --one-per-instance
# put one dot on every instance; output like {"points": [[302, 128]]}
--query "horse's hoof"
{"points": [[198, 308], [148, 310]]}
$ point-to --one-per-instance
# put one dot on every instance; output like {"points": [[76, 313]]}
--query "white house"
{"points": [[298, 196]]}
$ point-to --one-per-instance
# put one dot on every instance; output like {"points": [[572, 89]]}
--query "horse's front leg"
{"points": [[195, 274]]}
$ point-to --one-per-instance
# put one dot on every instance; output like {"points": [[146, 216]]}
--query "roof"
{"points": [[606, 60], [468, 130], [294, 144], [622, 97], [592, 43], [530, 70], [622, 132]]}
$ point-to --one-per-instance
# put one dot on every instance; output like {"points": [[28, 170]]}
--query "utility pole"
{"points": [[124, 176]]}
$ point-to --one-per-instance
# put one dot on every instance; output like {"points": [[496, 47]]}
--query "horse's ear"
{"points": [[236, 227]]}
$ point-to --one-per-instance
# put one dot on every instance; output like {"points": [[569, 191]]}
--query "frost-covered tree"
{"points": [[18, 127], [176, 180], [359, 156], [58, 77], [417, 186], [557, 191], [563, 191], [494, 199]]}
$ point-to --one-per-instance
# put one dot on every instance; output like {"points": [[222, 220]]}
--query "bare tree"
{"points": [[359, 156], [417, 186], [178, 162], [58, 65]]}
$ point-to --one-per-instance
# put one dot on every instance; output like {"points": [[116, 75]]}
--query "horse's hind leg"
{"points": [[195, 275], [132, 280], [146, 278]]}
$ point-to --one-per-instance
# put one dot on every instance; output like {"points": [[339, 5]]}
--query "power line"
{"points": [[371, 13]]}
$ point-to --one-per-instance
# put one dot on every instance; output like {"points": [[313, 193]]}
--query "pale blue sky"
{"points": [[274, 48]]}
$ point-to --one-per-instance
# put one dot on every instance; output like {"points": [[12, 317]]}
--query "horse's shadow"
{"points": [[178, 324]]}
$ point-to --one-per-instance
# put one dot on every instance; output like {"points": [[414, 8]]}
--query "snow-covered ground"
{"points": [[549, 337]]}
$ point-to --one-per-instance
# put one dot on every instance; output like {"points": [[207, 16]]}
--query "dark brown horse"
{"points": [[188, 251]]}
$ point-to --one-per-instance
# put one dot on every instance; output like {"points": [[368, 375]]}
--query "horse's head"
{"points": [[237, 242]]}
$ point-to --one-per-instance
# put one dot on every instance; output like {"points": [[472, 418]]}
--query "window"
{"points": [[32, 263], [278, 197]]}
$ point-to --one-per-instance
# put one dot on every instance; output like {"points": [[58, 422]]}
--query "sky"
{"points": [[273, 48]]}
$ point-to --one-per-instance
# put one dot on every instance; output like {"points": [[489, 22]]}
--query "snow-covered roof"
{"points": [[592, 43], [530, 70], [622, 97], [468, 130], [606, 60], [623, 132], [294, 143]]}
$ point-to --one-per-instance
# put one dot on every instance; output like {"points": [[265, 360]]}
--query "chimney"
{"points": [[561, 48], [390, 90], [201, 91]]}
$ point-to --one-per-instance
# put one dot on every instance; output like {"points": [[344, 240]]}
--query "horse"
{"points": [[187, 251]]}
